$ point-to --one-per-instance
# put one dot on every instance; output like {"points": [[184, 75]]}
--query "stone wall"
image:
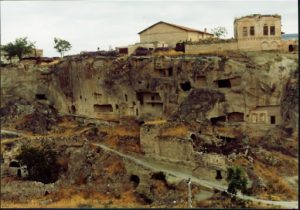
{"points": [[170, 147], [210, 48]]}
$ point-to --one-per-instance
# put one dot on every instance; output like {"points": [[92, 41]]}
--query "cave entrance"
{"points": [[159, 176], [73, 109], [227, 139], [140, 97], [216, 120], [170, 71], [186, 86], [14, 164], [19, 173], [224, 83], [40, 97], [273, 120], [218, 175], [103, 108], [135, 180], [291, 48], [193, 137]]}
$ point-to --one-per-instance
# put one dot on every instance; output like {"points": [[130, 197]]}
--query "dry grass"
{"points": [[277, 187], [178, 131], [115, 133], [133, 131], [116, 167], [71, 198]]}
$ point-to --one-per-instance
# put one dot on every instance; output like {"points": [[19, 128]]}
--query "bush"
{"points": [[237, 180], [41, 163]]}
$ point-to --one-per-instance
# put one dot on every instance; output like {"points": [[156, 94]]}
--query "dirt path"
{"points": [[184, 174]]}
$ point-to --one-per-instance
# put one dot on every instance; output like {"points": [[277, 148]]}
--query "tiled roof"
{"points": [[176, 26]]}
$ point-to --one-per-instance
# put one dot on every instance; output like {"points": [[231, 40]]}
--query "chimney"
{"points": [[205, 30]]}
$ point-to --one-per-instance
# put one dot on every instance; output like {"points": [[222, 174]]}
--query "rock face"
{"points": [[242, 88], [196, 110], [229, 97]]}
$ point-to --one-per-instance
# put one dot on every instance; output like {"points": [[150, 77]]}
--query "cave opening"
{"points": [[224, 83], [218, 175], [40, 97], [135, 180], [170, 71], [186, 86], [159, 176], [216, 120], [193, 137], [73, 109], [14, 164], [103, 108]]}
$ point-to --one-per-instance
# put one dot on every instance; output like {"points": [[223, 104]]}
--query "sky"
{"points": [[89, 24]]}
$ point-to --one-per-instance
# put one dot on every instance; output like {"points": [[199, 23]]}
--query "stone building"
{"points": [[258, 32], [251, 33], [265, 115], [171, 34]]}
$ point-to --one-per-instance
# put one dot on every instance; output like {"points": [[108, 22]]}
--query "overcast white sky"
{"points": [[91, 24]]}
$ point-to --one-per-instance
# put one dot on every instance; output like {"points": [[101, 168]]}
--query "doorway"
{"points": [[273, 120], [219, 175]]}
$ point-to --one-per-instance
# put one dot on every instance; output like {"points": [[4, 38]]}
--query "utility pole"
{"points": [[189, 182]]}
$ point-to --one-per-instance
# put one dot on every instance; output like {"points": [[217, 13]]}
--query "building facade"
{"points": [[171, 34], [258, 32]]}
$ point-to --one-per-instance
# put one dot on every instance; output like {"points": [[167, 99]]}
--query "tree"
{"points": [[41, 163], [19, 48], [62, 46], [219, 31], [237, 180]]}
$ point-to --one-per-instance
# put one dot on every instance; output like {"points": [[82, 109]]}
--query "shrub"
{"points": [[41, 163], [237, 180]]}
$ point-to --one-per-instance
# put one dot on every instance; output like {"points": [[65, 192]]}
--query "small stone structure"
{"points": [[170, 147], [265, 115]]}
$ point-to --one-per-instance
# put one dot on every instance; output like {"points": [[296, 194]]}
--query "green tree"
{"points": [[237, 180], [62, 46], [19, 47], [219, 31], [41, 163]]}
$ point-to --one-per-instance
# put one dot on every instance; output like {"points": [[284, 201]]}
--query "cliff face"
{"points": [[148, 88], [206, 111]]}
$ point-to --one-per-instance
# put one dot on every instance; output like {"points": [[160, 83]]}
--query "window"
{"points": [[272, 30], [266, 31], [245, 32], [252, 32]]}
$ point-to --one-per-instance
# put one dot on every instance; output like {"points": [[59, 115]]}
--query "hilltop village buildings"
{"points": [[251, 33]]}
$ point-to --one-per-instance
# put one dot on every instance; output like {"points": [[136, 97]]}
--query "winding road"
{"points": [[181, 173], [184, 174]]}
